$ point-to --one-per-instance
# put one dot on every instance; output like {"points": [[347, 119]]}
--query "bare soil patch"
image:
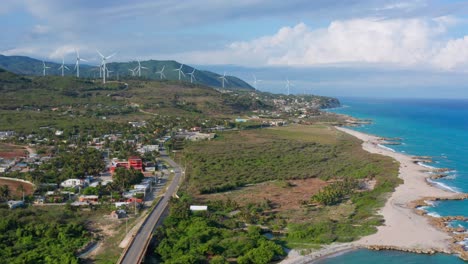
{"points": [[284, 195], [13, 186], [9, 151]]}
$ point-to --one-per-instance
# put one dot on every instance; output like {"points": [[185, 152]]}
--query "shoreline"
{"points": [[404, 229]]}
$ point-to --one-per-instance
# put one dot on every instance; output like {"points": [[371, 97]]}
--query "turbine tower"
{"points": [[180, 71], [77, 64], [288, 85], [255, 81], [44, 68], [63, 67], [161, 73], [223, 79], [139, 67], [103, 62], [192, 75]]}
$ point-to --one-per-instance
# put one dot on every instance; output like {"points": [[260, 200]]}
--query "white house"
{"points": [[141, 187], [72, 183]]}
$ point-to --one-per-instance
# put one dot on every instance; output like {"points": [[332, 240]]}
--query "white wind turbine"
{"points": [[288, 85], [44, 68], [192, 75], [103, 62], [161, 73], [180, 71], [109, 72], [63, 66], [139, 67], [255, 81], [77, 64], [223, 78], [133, 71]]}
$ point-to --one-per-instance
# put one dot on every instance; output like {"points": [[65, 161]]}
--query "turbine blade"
{"points": [[108, 57], [100, 54]]}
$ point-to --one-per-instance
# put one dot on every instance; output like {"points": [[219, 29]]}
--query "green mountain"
{"points": [[121, 70]]}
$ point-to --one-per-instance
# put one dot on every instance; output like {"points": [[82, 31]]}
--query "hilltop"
{"points": [[29, 102], [121, 70]]}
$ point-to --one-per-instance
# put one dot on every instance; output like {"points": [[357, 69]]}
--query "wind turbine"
{"points": [[44, 67], [77, 64], [288, 85], [192, 75], [255, 81], [103, 62], [108, 73], [139, 67], [180, 71], [63, 67], [223, 79], [133, 71], [161, 73]]}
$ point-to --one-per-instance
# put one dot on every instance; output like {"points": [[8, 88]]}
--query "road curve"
{"points": [[137, 248]]}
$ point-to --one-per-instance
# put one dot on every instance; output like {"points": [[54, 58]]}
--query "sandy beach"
{"points": [[403, 228]]}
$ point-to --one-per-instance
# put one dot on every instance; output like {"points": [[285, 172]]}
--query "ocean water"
{"points": [[426, 127], [389, 257]]}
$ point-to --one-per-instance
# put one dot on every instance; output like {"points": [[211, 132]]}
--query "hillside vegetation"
{"points": [[28, 103]]}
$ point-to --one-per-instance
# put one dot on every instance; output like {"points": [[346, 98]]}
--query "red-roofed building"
{"points": [[136, 163], [132, 162]]}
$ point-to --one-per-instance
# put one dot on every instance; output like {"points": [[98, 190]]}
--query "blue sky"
{"points": [[391, 48]]}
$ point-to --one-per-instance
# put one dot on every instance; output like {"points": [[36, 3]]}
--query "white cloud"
{"points": [[40, 29], [62, 51], [453, 55], [401, 42]]}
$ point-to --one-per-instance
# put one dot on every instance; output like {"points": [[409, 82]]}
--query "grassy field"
{"points": [[297, 152], [271, 174]]}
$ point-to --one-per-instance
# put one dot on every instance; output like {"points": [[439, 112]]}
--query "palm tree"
{"points": [[21, 189]]}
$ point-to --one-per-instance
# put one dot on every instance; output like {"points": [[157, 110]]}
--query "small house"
{"points": [[89, 198]]}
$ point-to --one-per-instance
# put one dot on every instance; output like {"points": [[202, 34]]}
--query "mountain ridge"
{"points": [[24, 65]]}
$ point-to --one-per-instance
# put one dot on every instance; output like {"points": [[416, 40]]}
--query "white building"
{"points": [[198, 207], [72, 183]]}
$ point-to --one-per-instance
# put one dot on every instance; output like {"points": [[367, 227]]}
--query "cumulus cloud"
{"points": [[403, 42]]}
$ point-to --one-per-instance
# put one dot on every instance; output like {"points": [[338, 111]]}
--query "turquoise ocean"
{"points": [[427, 127]]}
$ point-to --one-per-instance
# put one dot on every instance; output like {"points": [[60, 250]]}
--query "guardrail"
{"points": [[124, 253]]}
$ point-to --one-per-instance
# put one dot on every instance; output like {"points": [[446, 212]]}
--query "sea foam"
{"points": [[443, 186], [385, 147]]}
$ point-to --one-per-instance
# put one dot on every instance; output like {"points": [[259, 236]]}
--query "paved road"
{"points": [[137, 248]]}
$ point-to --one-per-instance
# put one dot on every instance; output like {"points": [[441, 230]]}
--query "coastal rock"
{"points": [[413, 250]]}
